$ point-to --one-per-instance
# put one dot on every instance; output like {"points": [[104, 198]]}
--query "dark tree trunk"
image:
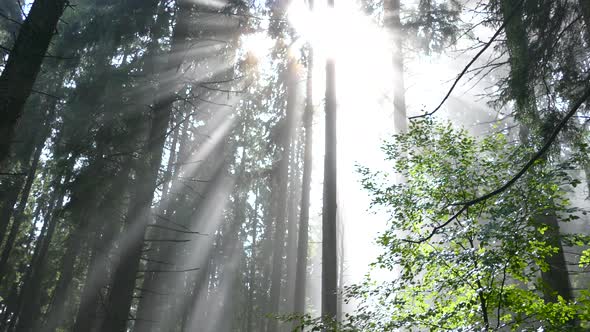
{"points": [[123, 285], [83, 206], [11, 22], [8, 198], [556, 279], [282, 197], [23, 65], [18, 215], [329, 249], [13, 185], [30, 310], [585, 8], [121, 292], [103, 235]]}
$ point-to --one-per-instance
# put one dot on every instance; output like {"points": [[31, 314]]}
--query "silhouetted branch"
{"points": [[176, 230], [466, 68], [46, 94], [169, 271], [13, 174], [155, 261], [151, 291], [167, 240], [171, 221]]}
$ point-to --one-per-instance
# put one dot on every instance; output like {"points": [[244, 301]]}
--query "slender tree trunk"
{"points": [[252, 268], [103, 235], [121, 292], [150, 295], [30, 307], [282, 197], [303, 237], [15, 302], [329, 248], [8, 198], [585, 8], [12, 186], [329, 211], [292, 224], [23, 65], [18, 215], [340, 268]]}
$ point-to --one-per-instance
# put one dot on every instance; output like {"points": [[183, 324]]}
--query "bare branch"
{"points": [[466, 68], [176, 230], [167, 271]]}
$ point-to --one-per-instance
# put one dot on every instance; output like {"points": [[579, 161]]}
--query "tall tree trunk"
{"points": [[12, 185], [23, 65], [585, 7], [14, 302], [252, 268], [103, 235], [329, 248], [556, 279], [282, 197], [18, 215], [29, 312], [341, 254], [121, 292], [292, 222], [303, 237], [392, 10], [146, 308]]}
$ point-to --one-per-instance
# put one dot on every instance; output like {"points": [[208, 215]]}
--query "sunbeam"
{"points": [[294, 165]]}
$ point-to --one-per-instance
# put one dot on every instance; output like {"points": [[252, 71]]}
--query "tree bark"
{"points": [[29, 312], [103, 235], [585, 6], [23, 65], [303, 236], [282, 197], [121, 293], [18, 214], [11, 22], [329, 236], [556, 279]]}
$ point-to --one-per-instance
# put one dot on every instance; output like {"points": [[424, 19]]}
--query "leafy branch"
{"points": [[465, 205]]}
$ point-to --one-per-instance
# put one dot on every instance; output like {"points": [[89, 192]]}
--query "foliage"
{"points": [[482, 270]]}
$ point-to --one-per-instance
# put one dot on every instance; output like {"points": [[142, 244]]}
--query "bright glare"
{"points": [[359, 46], [361, 50]]}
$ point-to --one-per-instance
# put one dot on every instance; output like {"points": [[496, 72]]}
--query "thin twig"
{"points": [[165, 271], [466, 68], [176, 230]]}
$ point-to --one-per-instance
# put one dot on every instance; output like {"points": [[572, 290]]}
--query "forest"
{"points": [[294, 165]]}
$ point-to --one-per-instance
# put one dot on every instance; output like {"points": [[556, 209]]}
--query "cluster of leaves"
{"points": [[483, 269]]}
